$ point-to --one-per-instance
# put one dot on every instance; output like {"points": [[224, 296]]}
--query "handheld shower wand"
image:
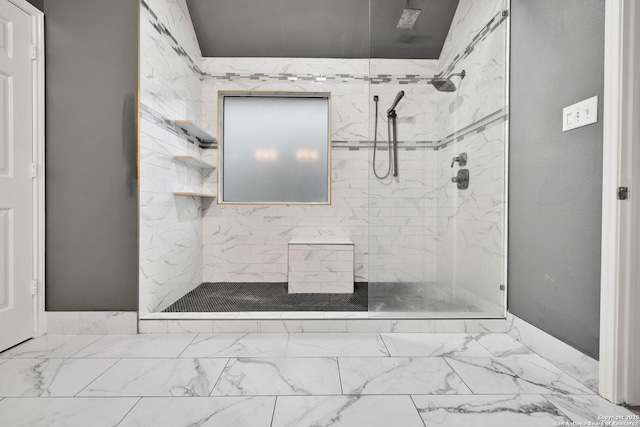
{"points": [[391, 116], [393, 137], [395, 102]]}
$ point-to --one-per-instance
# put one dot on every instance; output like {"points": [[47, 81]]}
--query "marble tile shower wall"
{"points": [[170, 226], [471, 222], [249, 243], [403, 229]]}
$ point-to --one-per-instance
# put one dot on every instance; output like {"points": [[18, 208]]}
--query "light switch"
{"points": [[580, 114]]}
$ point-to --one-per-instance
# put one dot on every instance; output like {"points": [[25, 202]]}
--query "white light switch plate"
{"points": [[580, 114]]}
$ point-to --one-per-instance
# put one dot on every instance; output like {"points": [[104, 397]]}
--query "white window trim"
{"points": [[235, 93]]}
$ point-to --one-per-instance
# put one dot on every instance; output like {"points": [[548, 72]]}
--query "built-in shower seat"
{"points": [[320, 264]]}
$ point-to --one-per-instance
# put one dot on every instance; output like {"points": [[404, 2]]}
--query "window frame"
{"points": [[270, 94]]}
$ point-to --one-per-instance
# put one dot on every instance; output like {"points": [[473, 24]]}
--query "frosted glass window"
{"points": [[275, 149]]}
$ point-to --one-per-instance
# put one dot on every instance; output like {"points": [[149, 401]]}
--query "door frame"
{"points": [[38, 193], [620, 296]]}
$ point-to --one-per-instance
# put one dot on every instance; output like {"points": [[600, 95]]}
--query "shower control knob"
{"points": [[461, 159], [462, 179]]}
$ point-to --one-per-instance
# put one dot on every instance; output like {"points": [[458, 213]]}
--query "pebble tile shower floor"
{"points": [[242, 297], [296, 380]]}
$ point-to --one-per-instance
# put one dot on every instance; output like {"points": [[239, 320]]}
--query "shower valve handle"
{"points": [[461, 159], [461, 179]]}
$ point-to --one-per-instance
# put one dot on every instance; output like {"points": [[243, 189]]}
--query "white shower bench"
{"points": [[320, 264]]}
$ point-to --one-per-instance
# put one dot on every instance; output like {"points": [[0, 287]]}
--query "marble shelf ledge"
{"points": [[192, 129], [321, 240], [191, 194], [192, 161]]}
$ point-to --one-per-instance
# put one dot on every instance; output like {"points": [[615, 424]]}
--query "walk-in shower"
{"points": [[437, 230], [421, 240]]}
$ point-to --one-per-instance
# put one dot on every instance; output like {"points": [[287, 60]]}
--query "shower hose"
{"points": [[375, 143]]}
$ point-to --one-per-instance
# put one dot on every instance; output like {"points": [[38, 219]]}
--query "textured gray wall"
{"points": [[37, 3], [555, 179], [91, 155]]}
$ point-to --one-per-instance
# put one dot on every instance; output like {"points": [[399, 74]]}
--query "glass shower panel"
{"points": [[436, 248], [402, 208]]}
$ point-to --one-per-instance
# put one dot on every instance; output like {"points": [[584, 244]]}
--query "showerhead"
{"points": [[445, 84], [408, 17], [395, 102]]}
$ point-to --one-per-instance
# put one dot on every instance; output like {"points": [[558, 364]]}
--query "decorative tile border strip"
{"points": [[319, 78], [403, 79], [495, 118], [488, 29], [164, 31]]}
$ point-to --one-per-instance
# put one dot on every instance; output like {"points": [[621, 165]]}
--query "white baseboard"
{"points": [[92, 322], [582, 367], [164, 326]]}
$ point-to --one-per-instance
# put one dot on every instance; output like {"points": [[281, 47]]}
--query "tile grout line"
{"points": [[385, 344], [71, 356], [557, 408], [339, 376], [458, 375], [129, 411], [220, 376], [187, 346], [417, 410], [480, 344], [273, 414], [96, 378]]}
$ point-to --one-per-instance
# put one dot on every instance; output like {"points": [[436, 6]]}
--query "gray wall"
{"points": [[555, 179], [91, 155], [37, 3]]}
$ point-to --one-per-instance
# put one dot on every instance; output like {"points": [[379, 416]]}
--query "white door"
{"points": [[16, 148]]}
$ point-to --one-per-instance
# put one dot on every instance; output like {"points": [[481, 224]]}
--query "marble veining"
{"points": [[67, 412], [590, 409], [236, 345], [336, 345], [433, 345], [345, 411], [399, 375], [488, 411], [158, 377], [201, 411], [279, 376], [515, 375], [577, 364], [50, 347], [311, 379], [92, 322], [49, 377], [137, 346], [502, 345]]}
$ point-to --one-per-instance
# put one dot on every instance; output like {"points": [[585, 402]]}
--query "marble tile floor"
{"points": [[296, 379]]}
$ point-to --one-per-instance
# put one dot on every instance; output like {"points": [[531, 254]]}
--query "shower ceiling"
{"points": [[319, 28]]}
